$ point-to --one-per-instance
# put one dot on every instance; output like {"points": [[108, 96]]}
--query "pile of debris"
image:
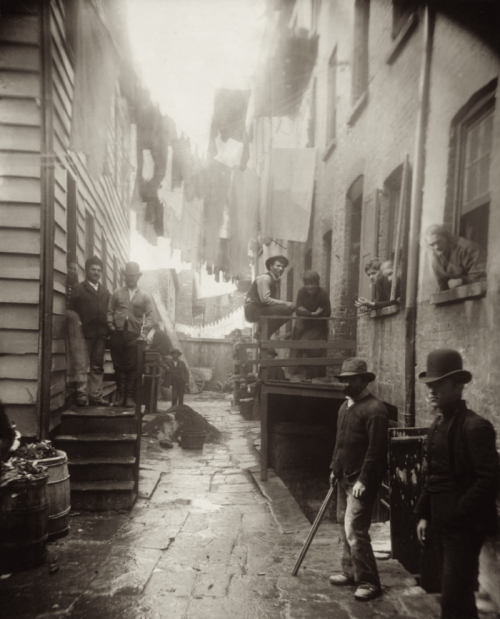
{"points": [[171, 423], [36, 451], [16, 469]]}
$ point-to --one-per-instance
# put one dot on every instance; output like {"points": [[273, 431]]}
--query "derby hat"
{"points": [[270, 261], [132, 268], [354, 366], [442, 363], [175, 350]]}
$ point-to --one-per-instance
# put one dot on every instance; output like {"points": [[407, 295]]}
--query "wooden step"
{"points": [[101, 496], [101, 469], [98, 420], [90, 445]]}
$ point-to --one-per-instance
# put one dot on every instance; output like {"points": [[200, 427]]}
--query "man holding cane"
{"points": [[359, 463]]}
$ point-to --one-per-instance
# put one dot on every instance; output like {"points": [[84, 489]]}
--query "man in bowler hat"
{"points": [[262, 298], [359, 463], [176, 376], [460, 484], [130, 317]]}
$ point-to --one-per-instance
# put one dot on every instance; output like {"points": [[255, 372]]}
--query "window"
{"points": [[360, 53], [70, 9], [331, 98], [354, 205], [401, 12], [89, 235], [473, 187], [327, 253], [71, 217], [104, 258], [392, 194]]}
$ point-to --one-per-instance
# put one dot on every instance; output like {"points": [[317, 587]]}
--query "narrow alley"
{"points": [[210, 540]]}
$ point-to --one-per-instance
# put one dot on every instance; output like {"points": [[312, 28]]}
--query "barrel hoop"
{"points": [[27, 510], [57, 481], [60, 514], [30, 542]]}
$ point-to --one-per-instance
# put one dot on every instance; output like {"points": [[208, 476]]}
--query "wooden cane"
{"points": [[313, 530]]}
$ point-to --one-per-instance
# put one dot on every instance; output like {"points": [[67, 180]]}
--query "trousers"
{"points": [[254, 312], [457, 543], [354, 516], [177, 392], [123, 347], [96, 347]]}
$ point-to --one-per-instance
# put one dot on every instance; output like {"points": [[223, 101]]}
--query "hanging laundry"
{"points": [[243, 218], [219, 178], [228, 122], [291, 186], [229, 153], [191, 231]]}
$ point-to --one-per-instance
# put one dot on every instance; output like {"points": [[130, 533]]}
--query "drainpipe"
{"points": [[46, 225], [415, 217]]}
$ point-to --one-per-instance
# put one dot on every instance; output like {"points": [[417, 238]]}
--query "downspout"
{"points": [[416, 216], [46, 223]]}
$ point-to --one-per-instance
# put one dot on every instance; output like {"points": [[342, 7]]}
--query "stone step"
{"points": [[101, 469], [90, 445], [98, 420], [101, 496]]}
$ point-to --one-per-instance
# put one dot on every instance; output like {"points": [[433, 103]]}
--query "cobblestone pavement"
{"points": [[211, 541]]}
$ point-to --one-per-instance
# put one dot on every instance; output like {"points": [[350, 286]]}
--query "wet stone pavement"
{"points": [[209, 541]]}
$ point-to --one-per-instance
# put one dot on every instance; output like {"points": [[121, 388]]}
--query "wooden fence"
{"points": [[209, 353]]}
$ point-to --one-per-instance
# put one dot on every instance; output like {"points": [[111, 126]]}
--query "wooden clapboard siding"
{"points": [[17, 342], [13, 316], [19, 111], [19, 241], [19, 189], [58, 379], [26, 165], [17, 266], [17, 84], [25, 418], [14, 137], [16, 58], [19, 216], [19, 291], [58, 346], [60, 238], [59, 303], [60, 263], [14, 366], [19, 28]]}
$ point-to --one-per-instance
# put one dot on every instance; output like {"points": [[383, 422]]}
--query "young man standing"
{"points": [[262, 298], [90, 301], [359, 463], [176, 376], [460, 485], [130, 317]]}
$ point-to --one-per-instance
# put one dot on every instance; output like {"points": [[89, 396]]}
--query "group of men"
{"points": [[123, 317], [456, 509]]}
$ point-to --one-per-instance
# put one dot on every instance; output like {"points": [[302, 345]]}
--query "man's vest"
{"points": [[253, 298]]}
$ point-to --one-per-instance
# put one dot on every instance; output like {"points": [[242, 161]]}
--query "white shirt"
{"points": [[94, 286], [363, 394], [132, 291]]}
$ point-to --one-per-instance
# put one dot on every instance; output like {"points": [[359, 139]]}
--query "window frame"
{"points": [[89, 235]]}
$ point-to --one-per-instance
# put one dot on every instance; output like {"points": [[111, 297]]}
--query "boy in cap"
{"points": [[176, 377], [130, 317], [460, 484], [359, 463], [262, 298]]}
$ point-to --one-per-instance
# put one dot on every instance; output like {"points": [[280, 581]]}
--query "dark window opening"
{"points": [[354, 209], [360, 54], [332, 98], [104, 258], [308, 260], [70, 9], [71, 218]]}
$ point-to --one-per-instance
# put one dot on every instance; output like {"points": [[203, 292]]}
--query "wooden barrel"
{"points": [[24, 512], [58, 494], [191, 439]]}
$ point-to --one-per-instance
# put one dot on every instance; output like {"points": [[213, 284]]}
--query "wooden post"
{"points": [[400, 228], [47, 230], [141, 351], [264, 400]]}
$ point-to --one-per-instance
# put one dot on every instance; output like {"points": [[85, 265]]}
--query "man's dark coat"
{"points": [[91, 305], [173, 373], [475, 466]]}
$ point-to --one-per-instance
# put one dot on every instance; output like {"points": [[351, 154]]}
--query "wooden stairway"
{"points": [[103, 457]]}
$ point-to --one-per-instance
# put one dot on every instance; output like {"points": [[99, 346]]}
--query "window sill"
{"points": [[329, 149], [400, 41], [390, 310], [359, 106], [475, 290]]}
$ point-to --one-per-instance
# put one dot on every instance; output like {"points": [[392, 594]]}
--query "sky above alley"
{"points": [[185, 50]]}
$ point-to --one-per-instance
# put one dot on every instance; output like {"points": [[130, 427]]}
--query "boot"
{"points": [[120, 389], [130, 393]]}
